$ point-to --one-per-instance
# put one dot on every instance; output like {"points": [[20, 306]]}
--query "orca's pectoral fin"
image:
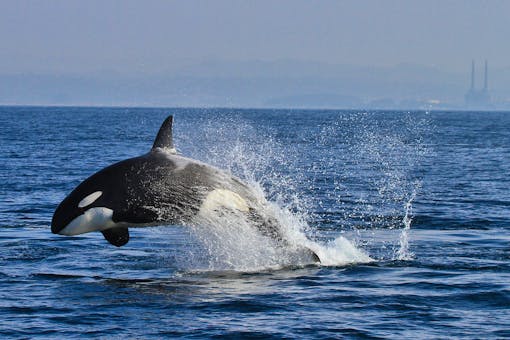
{"points": [[117, 236]]}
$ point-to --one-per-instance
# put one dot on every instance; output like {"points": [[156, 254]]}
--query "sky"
{"points": [[151, 37]]}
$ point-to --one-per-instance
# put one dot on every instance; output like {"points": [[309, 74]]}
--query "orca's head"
{"points": [[89, 207], [117, 196]]}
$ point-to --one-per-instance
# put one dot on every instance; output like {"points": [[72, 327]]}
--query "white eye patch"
{"points": [[90, 199]]}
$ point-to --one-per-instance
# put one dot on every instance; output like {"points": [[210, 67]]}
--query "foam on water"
{"points": [[230, 242]]}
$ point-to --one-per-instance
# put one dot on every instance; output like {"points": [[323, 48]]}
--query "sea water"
{"points": [[408, 211]]}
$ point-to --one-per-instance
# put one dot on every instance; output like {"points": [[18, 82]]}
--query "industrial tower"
{"points": [[474, 97]]}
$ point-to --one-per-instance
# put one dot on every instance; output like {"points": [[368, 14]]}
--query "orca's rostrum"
{"points": [[158, 188]]}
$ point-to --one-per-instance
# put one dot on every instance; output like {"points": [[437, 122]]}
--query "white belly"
{"points": [[220, 199]]}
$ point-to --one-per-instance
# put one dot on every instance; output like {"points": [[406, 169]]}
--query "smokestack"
{"points": [[486, 81], [472, 75]]}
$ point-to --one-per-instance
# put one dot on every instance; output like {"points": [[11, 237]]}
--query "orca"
{"points": [[160, 187]]}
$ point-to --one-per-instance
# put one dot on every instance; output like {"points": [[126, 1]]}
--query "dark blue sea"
{"points": [[410, 212]]}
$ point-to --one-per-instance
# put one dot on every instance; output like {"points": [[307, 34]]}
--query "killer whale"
{"points": [[159, 187]]}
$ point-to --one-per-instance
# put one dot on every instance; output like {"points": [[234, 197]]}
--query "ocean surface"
{"points": [[409, 211]]}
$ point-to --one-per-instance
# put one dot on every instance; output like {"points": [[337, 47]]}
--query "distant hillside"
{"points": [[255, 84]]}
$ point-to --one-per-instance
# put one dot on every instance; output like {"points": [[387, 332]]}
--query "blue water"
{"points": [[425, 195]]}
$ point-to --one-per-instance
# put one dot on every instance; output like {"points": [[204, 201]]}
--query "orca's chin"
{"points": [[57, 227], [94, 219]]}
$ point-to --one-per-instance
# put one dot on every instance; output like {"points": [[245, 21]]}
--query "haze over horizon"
{"points": [[236, 52]]}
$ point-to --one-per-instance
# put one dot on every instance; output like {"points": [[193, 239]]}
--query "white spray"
{"points": [[229, 242], [403, 253]]}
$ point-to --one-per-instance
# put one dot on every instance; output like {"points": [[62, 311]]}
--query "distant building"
{"points": [[474, 97]]}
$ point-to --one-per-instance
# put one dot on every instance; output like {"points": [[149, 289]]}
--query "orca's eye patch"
{"points": [[89, 199]]}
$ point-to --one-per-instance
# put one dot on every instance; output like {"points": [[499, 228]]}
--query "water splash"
{"points": [[354, 172], [391, 152], [230, 242], [403, 253]]}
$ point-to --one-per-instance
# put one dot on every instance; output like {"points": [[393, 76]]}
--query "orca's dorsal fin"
{"points": [[164, 138]]}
